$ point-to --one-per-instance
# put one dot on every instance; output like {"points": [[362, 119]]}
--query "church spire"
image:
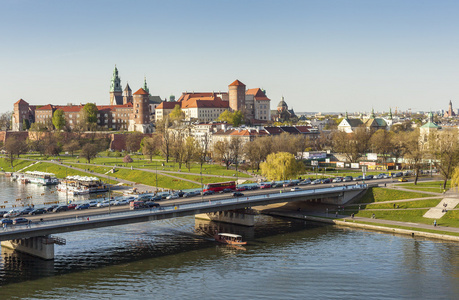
{"points": [[372, 116], [346, 115], [390, 113], [145, 87], [115, 85]]}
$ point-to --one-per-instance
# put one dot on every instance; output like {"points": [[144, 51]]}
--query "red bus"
{"points": [[219, 186]]}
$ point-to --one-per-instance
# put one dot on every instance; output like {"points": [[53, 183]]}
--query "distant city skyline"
{"points": [[320, 56]]}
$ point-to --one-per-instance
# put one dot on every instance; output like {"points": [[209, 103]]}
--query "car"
{"points": [[209, 192], [105, 203], [26, 210], [265, 186], [83, 206], [227, 190], [6, 221], [295, 188], [347, 179], [305, 182], [61, 208], [51, 207], [152, 204], [398, 174], [358, 178], [317, 181], [2, 212], [93, 203], [156, 198], [12, 214], [180, 193], [72, 206], [403, 179], [290, 183], [381, 176], [276, 185], [21, 221], [241, 189], [337, 179], [172, 196], [326, 180], [38, 211], [238, 194], [190, 194]]}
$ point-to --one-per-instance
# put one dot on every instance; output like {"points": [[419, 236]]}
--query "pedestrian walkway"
{"points": [[440, 210]]}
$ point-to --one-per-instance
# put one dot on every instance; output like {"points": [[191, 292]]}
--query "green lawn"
{"points": [[402, 205], [377, 194], [411, 228], [415, 216], [429, 186]]}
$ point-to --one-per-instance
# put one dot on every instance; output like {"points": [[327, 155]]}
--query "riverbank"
{"points": [[386, 226]]}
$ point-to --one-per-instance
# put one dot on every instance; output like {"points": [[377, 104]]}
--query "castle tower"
{"points": [[115, 88], [127, 94], [140, 117], [20, 113], [145, 87], [236, 93]]}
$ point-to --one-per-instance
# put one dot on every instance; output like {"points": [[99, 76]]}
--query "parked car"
{"points": [[241, 188], [93, 203], [152, 204], [398, 174], [326, 180], [190, 194], [317, 181], [172, 196], [121, 202], [2, 212], [61, 208], [358, 178], [347, 179], [276, 185], [26, 210], [105, 203], [72, 206], [12, 214], [238, 194], [208, 193], [265, 186], [156, 198], [337, 179], [290, 183], [51, 207], [295, 188], [381, 176], [21, 221], [403, 179], [225, 191], [83, 206], [305, 182], [38, 211], [6, 221]]}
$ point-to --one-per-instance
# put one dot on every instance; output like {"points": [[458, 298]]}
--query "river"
{"points": [[284, 259]]}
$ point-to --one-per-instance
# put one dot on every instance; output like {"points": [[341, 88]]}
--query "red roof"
{"points": [[46, 107], [20, 101], [257, 93], [236, 82], [168, 105], [303, 128], [73, 108], [141, 92]]}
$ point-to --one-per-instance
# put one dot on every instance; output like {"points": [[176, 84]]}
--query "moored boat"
{"points": [[82, 185], [229, 239]]}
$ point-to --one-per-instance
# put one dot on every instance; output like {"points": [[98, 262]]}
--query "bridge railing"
{"points": [[180, 207]]}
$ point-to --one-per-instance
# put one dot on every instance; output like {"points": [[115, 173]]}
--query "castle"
{"points": [[127, 110]]}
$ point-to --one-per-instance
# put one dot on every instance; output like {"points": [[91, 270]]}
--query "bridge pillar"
{"points": [[245, 217], [40, 246]]}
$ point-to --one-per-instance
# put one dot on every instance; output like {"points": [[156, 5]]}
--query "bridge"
{"points": [[35, 239]]}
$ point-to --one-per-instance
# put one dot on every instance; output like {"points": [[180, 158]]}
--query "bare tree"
{"points": [[14, 147], [444, 148]]}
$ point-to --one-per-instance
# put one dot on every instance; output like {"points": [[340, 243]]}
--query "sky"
{"points": [[321, 56]]}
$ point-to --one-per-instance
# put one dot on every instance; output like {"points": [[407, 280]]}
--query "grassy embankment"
{"points": [[410, 211]]}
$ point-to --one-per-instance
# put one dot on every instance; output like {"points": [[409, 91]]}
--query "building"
{"points": [[372, 123], [450, 113], [207, 106], [127, 110], [283, 114]]}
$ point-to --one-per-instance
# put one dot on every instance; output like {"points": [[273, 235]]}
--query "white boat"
{"points": [[41, 178], [82, 185]]}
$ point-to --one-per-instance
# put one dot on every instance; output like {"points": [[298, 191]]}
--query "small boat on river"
{"points": [[229, 239], [82, 185]]}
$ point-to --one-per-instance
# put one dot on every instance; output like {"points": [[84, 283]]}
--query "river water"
{"points": [[284, 259]]}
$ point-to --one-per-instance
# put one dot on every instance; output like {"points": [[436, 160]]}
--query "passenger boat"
{"points": [[82, 185], [229, 239], [41, 178]]}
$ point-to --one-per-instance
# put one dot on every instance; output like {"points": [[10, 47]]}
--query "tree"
{"points": [[5, 120], [38, 127], [352, 145], [381, 141], [235, 118], [25, 124], [235, 147], [177, 114], [59, 119], [257, 150], [177, 148], [414, 153], [133, 141], [191, 151], [281, 166], [151, 145], [89, 151], [14, 147], [222, 152], [445, 150], [89, 116], [71, 146], [127, 159]]}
